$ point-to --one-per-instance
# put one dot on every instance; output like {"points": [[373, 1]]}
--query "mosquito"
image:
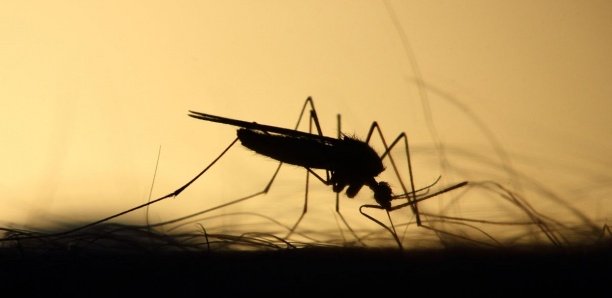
{"points": [[349, 163]]}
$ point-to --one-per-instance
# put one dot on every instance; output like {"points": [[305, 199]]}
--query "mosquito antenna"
{"points": [[425, 189]]}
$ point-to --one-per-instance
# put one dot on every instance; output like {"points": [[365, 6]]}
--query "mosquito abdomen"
{"points": [[299, 151]]}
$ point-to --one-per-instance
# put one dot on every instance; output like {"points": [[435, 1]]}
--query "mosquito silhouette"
{"points": [[349, 163]]}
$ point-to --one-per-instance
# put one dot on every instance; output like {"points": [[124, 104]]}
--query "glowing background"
{"points": [[90, 90]]}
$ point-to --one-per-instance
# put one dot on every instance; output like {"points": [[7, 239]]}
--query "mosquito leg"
{"points": [[339, 136], [339, 120], [411, 196], [306, 103], [313, 114], [375, 127], [170, 195], [312, 119], [304, 210], [388, 148]]}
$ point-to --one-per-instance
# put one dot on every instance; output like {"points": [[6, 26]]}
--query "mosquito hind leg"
{"points": [[268, 186], [313, 119], [265, 190], [173, 194]]}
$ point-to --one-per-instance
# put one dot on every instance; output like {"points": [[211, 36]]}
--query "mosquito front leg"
{"points": [[388, 148]]}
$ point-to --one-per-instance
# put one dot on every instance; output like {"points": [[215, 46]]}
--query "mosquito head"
{"points": [[382, 194]]}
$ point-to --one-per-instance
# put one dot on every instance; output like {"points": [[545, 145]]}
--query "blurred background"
{"points": [[511, 96]]}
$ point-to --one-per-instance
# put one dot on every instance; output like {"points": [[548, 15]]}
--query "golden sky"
{"points": [[89, 91]]}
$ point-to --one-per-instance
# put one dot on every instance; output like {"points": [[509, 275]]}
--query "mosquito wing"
{"points": [[260, 127]]}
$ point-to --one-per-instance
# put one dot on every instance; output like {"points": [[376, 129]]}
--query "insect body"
{"points": [[349, 162]]}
